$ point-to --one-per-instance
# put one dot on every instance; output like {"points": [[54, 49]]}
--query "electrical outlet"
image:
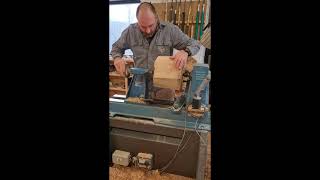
{"points": [[121, 157]]}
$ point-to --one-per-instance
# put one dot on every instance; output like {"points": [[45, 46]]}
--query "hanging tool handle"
{"points": [[202, 20], [197, 21], [171, 12], [166, 12], [179, 15]]}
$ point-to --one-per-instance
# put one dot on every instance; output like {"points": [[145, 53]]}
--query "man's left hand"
{"points": [[181, 58]]}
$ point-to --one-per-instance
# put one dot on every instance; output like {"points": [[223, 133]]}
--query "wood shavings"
{"points": [[134, 173], [136, 100], [197, 113], [190, 63]]}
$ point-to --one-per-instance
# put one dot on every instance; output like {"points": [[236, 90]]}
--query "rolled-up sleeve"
{"points": [[120, 45], [181, 41]]}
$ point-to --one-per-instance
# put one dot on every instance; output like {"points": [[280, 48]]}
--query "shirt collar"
{"points": [[162, 24]]}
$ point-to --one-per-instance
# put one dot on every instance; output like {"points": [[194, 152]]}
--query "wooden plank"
{"points": [[126, 85], [115, 74], [117, 89]]}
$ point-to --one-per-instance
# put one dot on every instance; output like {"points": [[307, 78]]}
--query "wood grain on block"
{"points": [[166, 75]]}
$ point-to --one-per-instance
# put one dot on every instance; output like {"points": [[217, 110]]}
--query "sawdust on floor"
{"points": [[133, 173]]}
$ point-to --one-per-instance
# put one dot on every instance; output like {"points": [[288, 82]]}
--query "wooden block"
{"points": [[166, 75]]}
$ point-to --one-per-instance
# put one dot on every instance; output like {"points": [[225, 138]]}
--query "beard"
{"points": [[149, 35]]}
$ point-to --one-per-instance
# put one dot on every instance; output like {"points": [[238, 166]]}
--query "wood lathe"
{"points": [[171, 131]]}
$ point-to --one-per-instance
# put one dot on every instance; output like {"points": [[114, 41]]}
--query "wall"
{"points": [[160, 6]]}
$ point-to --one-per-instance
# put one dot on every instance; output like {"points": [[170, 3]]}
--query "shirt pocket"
{"points": [[137, 49], [163, 48], [140, 54]]}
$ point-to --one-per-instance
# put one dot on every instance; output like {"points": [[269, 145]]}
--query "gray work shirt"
{"points": [[167, 37]]}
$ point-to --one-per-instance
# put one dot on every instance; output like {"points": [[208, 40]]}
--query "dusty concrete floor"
{"points": [[132, 173]]}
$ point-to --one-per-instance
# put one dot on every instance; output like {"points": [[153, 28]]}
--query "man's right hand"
{"points": [[120, 65]]}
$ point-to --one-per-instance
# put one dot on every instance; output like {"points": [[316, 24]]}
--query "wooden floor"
{"points": [[132, 173]]}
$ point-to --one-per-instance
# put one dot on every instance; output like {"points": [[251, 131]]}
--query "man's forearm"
{"points": [[181, 41], [116, 52], [120, 45]]}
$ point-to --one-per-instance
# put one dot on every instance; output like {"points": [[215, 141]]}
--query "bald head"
{"points": [[145, 6], [147, 19]]}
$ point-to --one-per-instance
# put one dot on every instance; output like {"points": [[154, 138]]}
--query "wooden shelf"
{"points": [[114, 74], [118, 75], [117, 89]]}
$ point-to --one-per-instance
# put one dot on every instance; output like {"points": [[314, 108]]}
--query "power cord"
{"points": [[161, 170], [198, 132], [177, 151]]}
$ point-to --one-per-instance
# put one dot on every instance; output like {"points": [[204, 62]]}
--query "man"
{"points": [[150, 38]]}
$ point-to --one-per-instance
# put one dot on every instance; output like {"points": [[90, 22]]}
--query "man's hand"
{"points": [[181, 58], [120, 65]]}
